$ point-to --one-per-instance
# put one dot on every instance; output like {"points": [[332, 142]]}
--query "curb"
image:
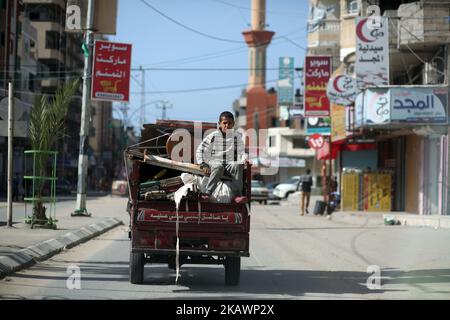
{"points": [[42, 251]]}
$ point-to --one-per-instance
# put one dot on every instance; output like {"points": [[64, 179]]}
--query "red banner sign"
{"points": [[317, 74], [111, 71], [316, 141]]}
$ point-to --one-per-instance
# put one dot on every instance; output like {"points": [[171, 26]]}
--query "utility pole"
{"points": [[10, 154], [85, 116], [165, 105], [142, 96]]}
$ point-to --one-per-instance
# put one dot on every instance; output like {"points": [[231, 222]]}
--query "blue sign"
{"points": [[318, 125], [286, 81]]}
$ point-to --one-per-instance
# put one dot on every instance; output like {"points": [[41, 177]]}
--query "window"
{"points": [[299, 143], [52, 40], [352, 6], [272, 141], [2, 39], [31, 82]]}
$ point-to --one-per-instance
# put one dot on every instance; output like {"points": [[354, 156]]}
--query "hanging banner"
{"points": [[111, 71], [317, 74], [338, 132], [286, 81], [341, 90], [372, 52]]}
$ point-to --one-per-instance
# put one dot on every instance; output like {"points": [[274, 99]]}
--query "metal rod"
{"points": [[10, 154]]}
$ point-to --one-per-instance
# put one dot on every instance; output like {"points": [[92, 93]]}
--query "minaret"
{"points": [[258, 40]]}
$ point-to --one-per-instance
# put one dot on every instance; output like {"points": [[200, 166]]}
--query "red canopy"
{"points": [[325, 154]]}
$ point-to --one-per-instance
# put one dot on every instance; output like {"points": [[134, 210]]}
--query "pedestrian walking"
{"points": [[305, 184]]}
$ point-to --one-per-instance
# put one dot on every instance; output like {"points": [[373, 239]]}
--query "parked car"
{"points": [[259, 192], [271, 187], [283, 190]]}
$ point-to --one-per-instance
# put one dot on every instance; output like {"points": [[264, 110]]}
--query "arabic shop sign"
{"points": [[377, 106], [286, 81], [342, 90], [419, 105], [111, 71], [372, 52], [317, 75], [414, 105]]}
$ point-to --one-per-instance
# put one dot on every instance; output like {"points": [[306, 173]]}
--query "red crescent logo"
{"points": [[359, 31], [336, 84]]}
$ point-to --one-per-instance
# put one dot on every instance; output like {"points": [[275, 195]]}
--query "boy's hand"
{"points": [[205, 168]]}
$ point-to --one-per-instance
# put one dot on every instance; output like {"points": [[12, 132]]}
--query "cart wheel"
{"points": [[136, 268], [232, 271]]}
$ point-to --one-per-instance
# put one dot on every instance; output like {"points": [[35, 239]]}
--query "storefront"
{"points": [[410, 124]]}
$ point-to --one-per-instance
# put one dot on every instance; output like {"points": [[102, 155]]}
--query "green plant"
{"points": [[46, 127]]}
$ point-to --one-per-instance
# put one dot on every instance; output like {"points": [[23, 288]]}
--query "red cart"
{"points": [[206, 233]]}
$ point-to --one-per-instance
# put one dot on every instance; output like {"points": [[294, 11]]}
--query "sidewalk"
{"points": [[22, 246], [363, 218]]}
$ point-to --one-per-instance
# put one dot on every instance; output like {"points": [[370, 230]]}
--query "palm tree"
{"points": [[46, 126]]}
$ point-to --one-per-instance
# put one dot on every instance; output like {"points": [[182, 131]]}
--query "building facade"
{"points": [[411, 141]]}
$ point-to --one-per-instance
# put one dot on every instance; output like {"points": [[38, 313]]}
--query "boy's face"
{"points": [[226, 124]]}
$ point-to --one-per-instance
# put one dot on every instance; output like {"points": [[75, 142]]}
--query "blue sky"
{"points": [[160, 43]]}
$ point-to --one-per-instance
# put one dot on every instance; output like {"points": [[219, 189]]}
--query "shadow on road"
{"points": [[210, 280]]}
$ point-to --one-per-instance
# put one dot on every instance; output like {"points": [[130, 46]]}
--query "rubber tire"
{"points": [[288, 194], [265, 202], [232, 271], [136, 268]]}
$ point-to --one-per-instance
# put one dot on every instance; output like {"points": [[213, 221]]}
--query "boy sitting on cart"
{"points": [[223, 153]]}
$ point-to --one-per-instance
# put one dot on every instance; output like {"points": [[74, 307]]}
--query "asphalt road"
{"points": [[292, 257]]}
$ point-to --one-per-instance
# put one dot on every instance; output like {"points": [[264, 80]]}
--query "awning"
{"points": [[325, 154], [358, 146]]}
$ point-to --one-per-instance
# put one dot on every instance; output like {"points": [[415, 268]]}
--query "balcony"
{"points": [[280, 142], [326, 36], [400, 107], [423, 25]]}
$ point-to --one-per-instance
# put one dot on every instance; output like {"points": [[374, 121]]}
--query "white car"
{"points": [[259, 192], [283, 190]]}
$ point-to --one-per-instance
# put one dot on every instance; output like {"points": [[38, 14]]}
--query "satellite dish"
{"points": [[19, 109]]}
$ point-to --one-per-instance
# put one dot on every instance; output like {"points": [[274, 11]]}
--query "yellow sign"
{"points": [[377, 191], [350, 191], [337, 122]]}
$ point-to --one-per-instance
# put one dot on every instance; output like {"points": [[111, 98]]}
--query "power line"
{"points": [[209, 69], [222, 53], [187, 27], [284, 13], [199, 89]]}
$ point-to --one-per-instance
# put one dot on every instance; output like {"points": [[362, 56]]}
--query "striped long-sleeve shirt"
{"points": [[218, 147]]}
